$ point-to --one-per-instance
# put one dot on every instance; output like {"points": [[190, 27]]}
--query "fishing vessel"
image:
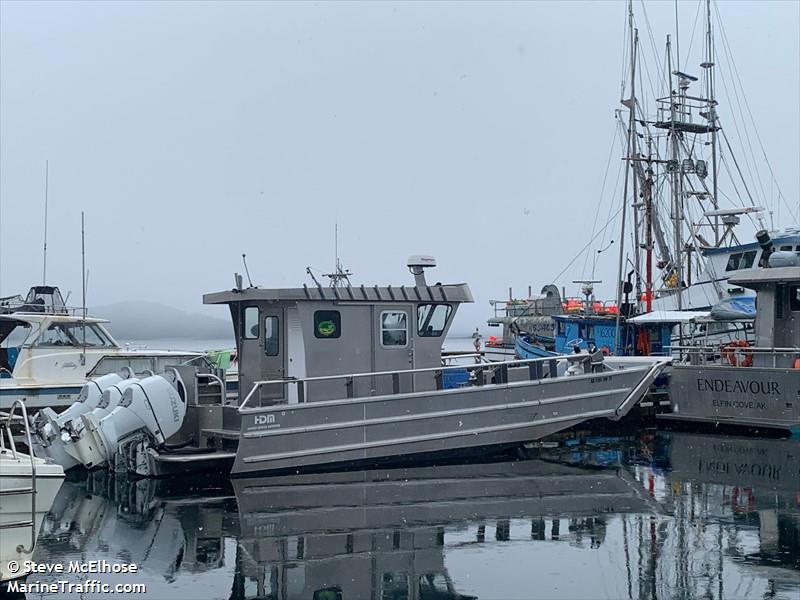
{"points": [[49, 350], [686, 197], [331, 378], [754, 385]]}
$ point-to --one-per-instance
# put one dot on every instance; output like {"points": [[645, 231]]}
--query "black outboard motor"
{"points": [[763, 239]]}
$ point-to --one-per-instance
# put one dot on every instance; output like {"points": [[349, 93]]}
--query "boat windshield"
{"points": [[13, 333], [72, 334]]}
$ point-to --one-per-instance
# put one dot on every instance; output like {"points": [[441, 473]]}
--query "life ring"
{"points": [[743, 501], [730, 353]]}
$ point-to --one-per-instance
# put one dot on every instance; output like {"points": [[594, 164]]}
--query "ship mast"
{"points": [[675, 180], [631, 104], [711, 115]]}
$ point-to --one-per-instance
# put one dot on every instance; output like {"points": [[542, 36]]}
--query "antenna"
{"points": [[83, 286], [246, 270], [44, 257], [339, 274]]}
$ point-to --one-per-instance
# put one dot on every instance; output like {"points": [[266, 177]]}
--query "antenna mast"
{"points": [[634, 34], [339, 275], [246, 270], [83, 287], [44, 256]]}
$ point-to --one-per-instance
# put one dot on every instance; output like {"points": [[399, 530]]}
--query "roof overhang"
{"points": [[458, 292], [760, 277]]}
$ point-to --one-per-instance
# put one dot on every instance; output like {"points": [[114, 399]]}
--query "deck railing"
{"points": [[5, 432], [538, 368], [719, 354]]}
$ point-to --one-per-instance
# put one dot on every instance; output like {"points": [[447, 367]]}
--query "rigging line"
{"points": [[694, 28], [677, 38], [610, 209], [602, 190], [738, 135], [747, 157], [653, 45], [724, 162], [589, 243], [625, 45], [749, 112], [646, 69]]}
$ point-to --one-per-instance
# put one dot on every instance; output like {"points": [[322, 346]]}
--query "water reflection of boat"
{"points": [[384, 533], [173, 533]]}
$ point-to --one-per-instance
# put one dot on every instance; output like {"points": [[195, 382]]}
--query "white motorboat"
{"points": [[48, 351], [28, 487]]}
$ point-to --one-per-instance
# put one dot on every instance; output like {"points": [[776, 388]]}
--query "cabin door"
{"points": [[263, 353]]}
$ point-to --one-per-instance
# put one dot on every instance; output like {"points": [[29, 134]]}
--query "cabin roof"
{"points": [[671, 316], [458, 292], [789, 236], [35, 317], [760, 277]]}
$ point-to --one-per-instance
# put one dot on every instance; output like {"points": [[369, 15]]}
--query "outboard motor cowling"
{"points": [[155, 405], [51, 429]]}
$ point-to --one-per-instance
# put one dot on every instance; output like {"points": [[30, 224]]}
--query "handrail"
{"points": [[7, 425], [746, 348], [479, 366], [478, 355], [218, 380]]}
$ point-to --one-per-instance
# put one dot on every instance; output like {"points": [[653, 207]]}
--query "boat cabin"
{"points": [[777, 324], [637, 337], [316, 331]]}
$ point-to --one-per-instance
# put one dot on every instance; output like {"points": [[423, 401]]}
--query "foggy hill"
{"points": [[150, 320]]}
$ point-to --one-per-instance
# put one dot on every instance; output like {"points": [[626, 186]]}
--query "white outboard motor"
{"points": [[49, 426], [155, 405]]}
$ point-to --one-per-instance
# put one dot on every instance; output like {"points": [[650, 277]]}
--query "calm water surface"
{"points": [[664, 516]]}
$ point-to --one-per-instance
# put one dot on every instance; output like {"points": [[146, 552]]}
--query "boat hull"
{"points": [[745, 396], [371, 430], [15, 508]]}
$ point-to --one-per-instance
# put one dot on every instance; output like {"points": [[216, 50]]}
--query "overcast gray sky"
{"points": [[192, 132]]}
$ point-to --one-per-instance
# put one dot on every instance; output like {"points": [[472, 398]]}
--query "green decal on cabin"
{"points": [[326, 328]]}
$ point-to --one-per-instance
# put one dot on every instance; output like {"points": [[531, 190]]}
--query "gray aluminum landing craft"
{"points": [[295, 436]]}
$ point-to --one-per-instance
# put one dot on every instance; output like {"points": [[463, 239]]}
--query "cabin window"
{"points": [[250, 323], [779, 291], [327, 324], [733, 262], [72, 334], [13, 333], [271, 336], [395, 585], [786, 248], [394, 328], [748, 258], [95, 337], [432, 319], [560, 328], [794, 298]]}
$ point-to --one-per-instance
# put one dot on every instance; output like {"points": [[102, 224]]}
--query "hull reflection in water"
{"points": [[669, 516], [385, 534], [181, 539]]}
